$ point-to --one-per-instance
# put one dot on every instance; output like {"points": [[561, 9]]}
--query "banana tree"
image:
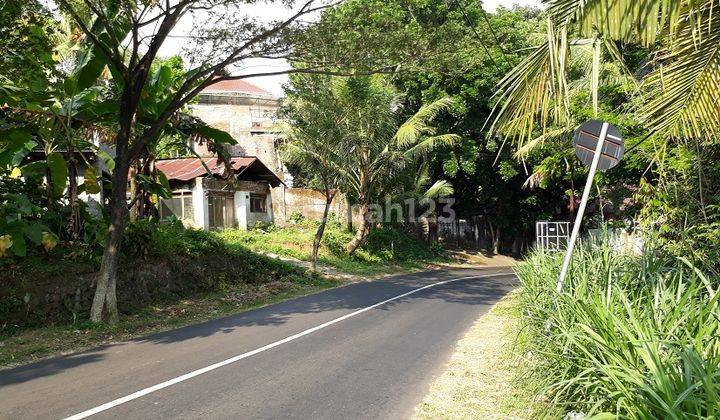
{"points": [[62, 120], [180, 131]]}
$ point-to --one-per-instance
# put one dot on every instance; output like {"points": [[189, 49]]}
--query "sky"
{"points": [[274, 84]]}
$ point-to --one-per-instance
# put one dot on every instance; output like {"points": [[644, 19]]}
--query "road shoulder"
{"points": [[478, 381]]}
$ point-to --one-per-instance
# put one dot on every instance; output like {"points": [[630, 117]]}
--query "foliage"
{"points": [[472, 51], [675, 99], [361, 145], [27, 30], [631, 336], [162, 262], [386, 248], [682, 205]]}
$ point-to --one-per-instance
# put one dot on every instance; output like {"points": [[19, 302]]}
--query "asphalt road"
{"points": [[337, 354]]}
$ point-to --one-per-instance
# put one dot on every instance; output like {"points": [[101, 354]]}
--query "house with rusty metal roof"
{"points": [[206, 196], [263, 190], [202, 195]]}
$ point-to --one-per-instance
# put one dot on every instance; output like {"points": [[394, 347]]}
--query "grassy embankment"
{"points": [[386, 250], [170, 277]]}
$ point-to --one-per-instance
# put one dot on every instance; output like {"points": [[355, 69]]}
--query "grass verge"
{"points": [[386, 250], [630, 336], [480, 379]]}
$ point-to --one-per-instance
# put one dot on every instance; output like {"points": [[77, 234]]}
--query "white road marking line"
{"points": [[198, 372]]}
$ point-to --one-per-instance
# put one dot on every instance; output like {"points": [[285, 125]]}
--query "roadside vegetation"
{"points": [[170, 276], [633, 336], [390, 101], [173, 276], [387, 249]]}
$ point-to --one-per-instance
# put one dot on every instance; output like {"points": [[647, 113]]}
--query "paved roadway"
{"points": [[339, 354]]}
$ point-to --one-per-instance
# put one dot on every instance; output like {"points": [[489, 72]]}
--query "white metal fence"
{"points": [[552, 236]]}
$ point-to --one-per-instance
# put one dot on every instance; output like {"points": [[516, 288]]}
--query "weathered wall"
{"points": [[309, 203], [253, 134]]}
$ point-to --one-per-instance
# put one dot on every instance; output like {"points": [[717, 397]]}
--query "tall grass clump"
{"points": [[630, 336]]}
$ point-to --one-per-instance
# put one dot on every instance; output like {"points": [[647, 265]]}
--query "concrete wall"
{"points": [[309, 203], [253, 132], [245, 188]]}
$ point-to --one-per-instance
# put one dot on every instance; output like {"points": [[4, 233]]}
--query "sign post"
{"points": [[598, 145]]}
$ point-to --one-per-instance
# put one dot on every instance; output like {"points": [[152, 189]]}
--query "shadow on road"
{"points": [[353, 297], [51, 366], [477, 291]]}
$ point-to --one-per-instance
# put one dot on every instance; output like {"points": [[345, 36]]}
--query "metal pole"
{"points": [[583, 203]]}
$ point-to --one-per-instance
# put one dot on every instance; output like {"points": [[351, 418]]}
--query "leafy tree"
{"points": [[27, 32], [372, 148], [670, 52], [126, 36], [316, 140], [472, 51]]}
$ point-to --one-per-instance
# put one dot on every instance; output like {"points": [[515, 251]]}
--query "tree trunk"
{"points": [[496, 242], [321, 229], [571, 204], [349, 214], [133, 193], [74, 222], [49, 188], [362, 231], [104, 307]]}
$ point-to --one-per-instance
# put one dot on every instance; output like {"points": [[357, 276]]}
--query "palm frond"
{"points": [[439, 189], [418, 126], [429, 144], [423, 176], [556, 134], [684, 90], [534, 180], [535, 92], [620, 20]]}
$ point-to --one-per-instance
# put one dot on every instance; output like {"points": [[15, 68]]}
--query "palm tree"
{"points": [[346, 130], [679, 95], [315, 141], [379, 151]]}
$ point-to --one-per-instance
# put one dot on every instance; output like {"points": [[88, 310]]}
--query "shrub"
{"points": [[634, 337], [150, 238], [392, 244], [296, 218]]}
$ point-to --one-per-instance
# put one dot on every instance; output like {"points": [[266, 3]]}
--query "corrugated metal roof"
{"points": [[185, 169]]}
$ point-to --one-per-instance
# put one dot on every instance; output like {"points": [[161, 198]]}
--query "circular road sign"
{"points": [[586, 140]]}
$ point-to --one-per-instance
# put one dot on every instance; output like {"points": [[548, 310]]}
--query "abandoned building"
{"points": [[208, 201], [249, 114]]}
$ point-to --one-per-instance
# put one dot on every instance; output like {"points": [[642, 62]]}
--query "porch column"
{"points": [[242, 206], [200, 205]]}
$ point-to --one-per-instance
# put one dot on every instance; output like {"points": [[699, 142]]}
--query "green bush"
{"points": [[392, 244], [296, 217], [632, 337], [150, 238]]}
